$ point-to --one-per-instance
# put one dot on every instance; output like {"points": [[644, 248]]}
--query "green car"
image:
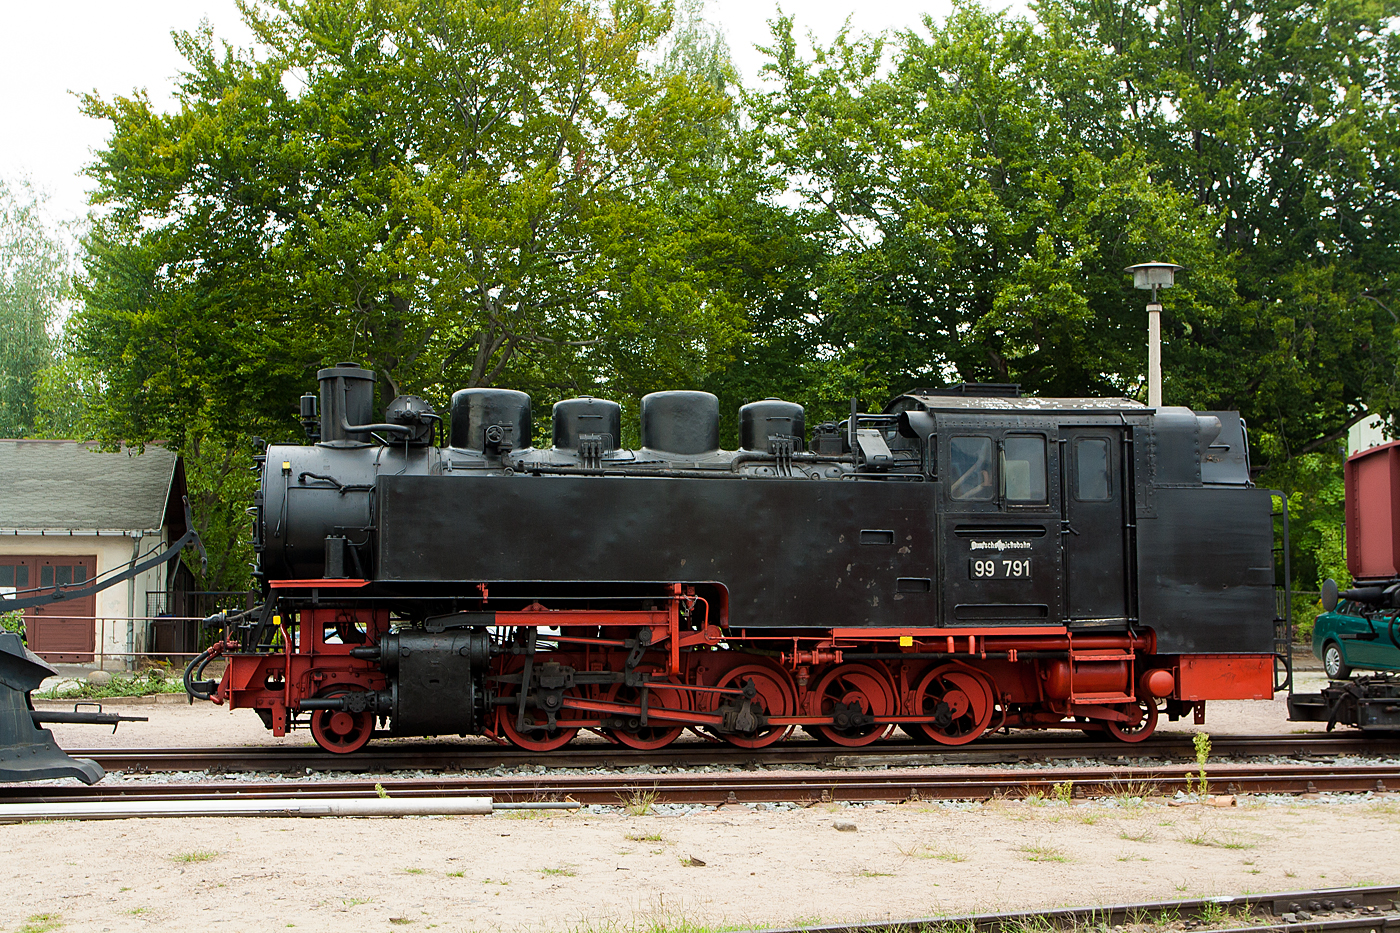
{"points": [[1345, 640]]}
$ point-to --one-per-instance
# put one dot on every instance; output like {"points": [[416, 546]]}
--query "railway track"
{"points": [[484, 756], [740, 787], [1332, 910]]}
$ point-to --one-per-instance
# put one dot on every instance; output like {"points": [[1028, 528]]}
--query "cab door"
{"points": [[1000, 517], [1094, 529]]}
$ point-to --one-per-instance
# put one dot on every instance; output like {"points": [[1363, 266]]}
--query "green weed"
{"points": [[639, 802], [198, 855], [1044, 853], [924, 851], [146, 683], [1201, 740], [41, 923]]}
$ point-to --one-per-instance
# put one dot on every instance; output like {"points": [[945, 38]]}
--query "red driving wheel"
{"points": [[853, 691], [538, 735], [1134, 730], [774, 696], [959, 699], [656, 733], [339, 731]]}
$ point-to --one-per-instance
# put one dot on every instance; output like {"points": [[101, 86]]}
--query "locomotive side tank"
{"points": [[965, 560]]}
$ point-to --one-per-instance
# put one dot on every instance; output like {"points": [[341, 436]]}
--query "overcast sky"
{"points": [[51, 50]]}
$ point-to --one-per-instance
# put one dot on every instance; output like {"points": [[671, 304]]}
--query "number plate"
{"points": [[999, 568]]}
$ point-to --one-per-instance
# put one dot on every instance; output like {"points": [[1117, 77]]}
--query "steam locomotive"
{"points": [[964, 561]]}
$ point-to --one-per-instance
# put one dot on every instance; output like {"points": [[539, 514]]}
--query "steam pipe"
{"points": [[346, 426]]}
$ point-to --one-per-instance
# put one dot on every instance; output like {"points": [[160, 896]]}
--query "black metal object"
{"points": [[435, 677], [58, 593], [78, 717], [789, 553], [1368, 703], [27, 752]]}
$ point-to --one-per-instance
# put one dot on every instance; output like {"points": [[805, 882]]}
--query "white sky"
{"points": [[52, 49]]}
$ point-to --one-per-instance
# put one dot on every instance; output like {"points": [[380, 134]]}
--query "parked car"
{"points": [[1345, 640]]}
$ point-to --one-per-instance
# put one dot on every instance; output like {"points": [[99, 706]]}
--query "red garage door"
{"points": [[62, 632]]}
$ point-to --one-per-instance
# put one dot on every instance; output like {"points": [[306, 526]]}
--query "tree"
{"points": [[1278, 117], [459, 194], [34, 284], [976, 215]]}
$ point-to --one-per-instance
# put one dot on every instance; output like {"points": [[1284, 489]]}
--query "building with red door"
{"points": [[70, 513]]}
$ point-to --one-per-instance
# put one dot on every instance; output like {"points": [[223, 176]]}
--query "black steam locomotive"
{"points": [[964, 561]]}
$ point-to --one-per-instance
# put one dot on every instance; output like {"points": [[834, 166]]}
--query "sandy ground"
{"points": [[590, 872]]}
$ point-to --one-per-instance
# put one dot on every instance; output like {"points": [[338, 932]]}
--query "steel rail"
{"points": [[739, 787], [1383, 915], [484, 756]]}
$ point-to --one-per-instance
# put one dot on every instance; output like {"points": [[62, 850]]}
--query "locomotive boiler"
{"points": [[964, 561]]}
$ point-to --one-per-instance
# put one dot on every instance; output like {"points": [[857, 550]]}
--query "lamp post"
{"points": [[1152, 276]]}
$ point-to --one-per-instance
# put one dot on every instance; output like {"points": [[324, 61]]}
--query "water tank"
{"points": [[494, 420], [680, 422], [760, 420], [575, 416]]}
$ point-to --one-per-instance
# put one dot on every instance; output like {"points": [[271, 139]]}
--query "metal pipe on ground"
{"points": [[286, 806]]}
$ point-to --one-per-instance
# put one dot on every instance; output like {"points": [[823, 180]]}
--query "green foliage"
{"points": [[459, 195], [145, 683], [12, 621], [1201, 741], [1276, 117], [976, 214], [490, 192], [34, 285], [981, 183]]}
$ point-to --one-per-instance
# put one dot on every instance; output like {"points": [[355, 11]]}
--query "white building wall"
{"points": [[120, 626], [1366, 434]]}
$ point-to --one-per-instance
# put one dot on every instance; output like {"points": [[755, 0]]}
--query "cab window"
{"points": [[971, 468], [1091, 477], [1023, 469]]}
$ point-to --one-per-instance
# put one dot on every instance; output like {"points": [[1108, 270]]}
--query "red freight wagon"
{"points": [[1373, 513]]}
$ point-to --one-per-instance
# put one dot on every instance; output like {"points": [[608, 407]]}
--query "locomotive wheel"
{"points": [[537, 736], [863, 689], [652, 735], [1137, 731], [775, 697], [338, 731], [960, 700]]}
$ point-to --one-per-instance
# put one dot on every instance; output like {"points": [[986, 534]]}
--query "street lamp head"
{"points": [[1154, 275]]}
